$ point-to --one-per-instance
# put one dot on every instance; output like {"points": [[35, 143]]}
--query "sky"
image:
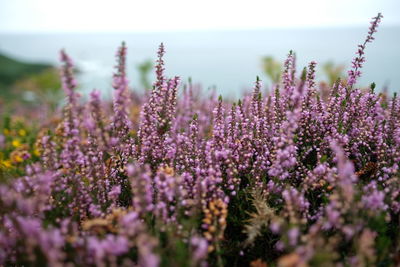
{"points": [[35, 16]]}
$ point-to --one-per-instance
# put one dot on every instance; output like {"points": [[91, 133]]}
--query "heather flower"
{"points": [[293, 235], [142, 188], [147, 257], [285, 154], [107, 248], [167, 195], [214, 222], [200, 249], [374, 200], [114, 193], [345, 169], [121, 123], [157, 115], [358, 61]]}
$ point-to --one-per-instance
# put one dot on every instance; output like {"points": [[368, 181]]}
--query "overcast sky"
{"points": [[178, 15]]}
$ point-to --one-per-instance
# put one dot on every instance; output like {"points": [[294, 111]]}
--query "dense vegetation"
{"points": [[12, 70], [26, 86], [293, 176]]}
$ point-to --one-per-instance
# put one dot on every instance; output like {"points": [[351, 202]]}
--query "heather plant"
{"points": [[292, 176]]}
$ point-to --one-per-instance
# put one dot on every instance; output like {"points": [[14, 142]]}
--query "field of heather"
{"points": [[300, 173]]}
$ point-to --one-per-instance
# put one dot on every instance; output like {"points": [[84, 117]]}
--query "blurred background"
{"points": [[221, 44]]}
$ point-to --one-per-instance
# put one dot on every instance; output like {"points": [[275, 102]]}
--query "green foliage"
{"points": [[144, 69], [29, 84], [42, 88], [272, 68], [12, 70], [333, 71]]}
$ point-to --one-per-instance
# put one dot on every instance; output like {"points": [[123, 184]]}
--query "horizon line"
{"points": [[199, 30]]}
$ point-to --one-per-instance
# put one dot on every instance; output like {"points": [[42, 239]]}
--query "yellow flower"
{"points": [[18, 156], [6, 132], [16, 143], [22, 132], [36, 152], [6, 163]]}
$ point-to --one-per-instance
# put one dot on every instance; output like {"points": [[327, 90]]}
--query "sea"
{"points": [[228, 61]]}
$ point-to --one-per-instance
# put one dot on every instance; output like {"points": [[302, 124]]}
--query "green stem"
{"points": [[218, 252]]}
